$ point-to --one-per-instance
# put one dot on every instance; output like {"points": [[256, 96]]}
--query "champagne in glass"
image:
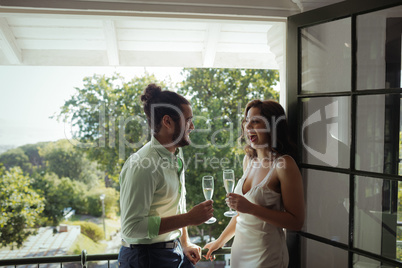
{"points": [[229, 182], [208, 189]]}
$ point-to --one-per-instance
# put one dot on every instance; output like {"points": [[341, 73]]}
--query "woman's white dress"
{"points": [[258, 243]]}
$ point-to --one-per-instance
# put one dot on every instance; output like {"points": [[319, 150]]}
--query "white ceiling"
{"points": [[181, 33]]}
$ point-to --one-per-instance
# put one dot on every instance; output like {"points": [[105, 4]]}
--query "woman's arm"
{"points": [[292, 195], [230, 229], [225, 236]]}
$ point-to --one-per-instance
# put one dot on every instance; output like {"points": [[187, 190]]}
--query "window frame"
{"points": [[345, 9]]}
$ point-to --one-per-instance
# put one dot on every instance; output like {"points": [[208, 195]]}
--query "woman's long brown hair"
{"points": [[278, 132]]}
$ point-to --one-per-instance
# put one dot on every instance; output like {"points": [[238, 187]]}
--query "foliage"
{"points": [[60, 194], [15, 158], [109, 120], [26, 157], [91, 230], [84, 242], [65, 160], [73, 194], [111, 202], [60, 157], [218, 98], [32, 151], [20, 206], [53, 160]]}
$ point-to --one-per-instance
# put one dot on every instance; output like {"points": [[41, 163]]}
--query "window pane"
{"points": [[375, 216], [363, 262], [326, 131], [326, 57], [399, 223], [322, 255], [327, 203], [379, 49], [378, 133]]}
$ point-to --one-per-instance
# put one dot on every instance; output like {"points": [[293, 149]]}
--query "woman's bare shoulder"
{"points": [[286, 165]]}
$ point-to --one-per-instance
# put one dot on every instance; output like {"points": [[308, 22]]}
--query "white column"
{"points": [[276, 40]]}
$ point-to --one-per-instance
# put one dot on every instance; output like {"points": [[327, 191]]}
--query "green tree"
{"points": [[218, 98], [63, 159], [111, 202], [108, 118], [16, 158], [66, 160], [20, 206], [46, 185], [32, 151], [59, 194]]}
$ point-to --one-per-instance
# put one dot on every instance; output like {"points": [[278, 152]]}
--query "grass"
{"points": [[84, 242], [112, 225]]}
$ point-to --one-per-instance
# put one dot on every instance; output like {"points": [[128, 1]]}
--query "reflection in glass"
{"points": [[363, 262], [375, 216], [322, 255], [326, 131], [326, 57], [327, 202], [378, 133], [399, 224], [379, 49]]}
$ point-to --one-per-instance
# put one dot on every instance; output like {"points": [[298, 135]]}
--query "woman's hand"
{"points": [[212, 246], [239, 203]]}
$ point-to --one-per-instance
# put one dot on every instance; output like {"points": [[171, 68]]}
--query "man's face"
{"points": [[181, 135]]}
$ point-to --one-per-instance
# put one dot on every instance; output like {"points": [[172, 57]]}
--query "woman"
{"points": [[269, 196]]}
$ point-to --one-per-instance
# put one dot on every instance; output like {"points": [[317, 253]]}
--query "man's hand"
{"points": [[192, 252], [200, 213]]}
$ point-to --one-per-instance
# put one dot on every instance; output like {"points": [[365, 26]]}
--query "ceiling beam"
{"points": [[236, 8], [299, 3], [211, 43], [8, 43], [111, 42]]}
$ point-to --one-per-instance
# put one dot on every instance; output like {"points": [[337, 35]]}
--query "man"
{"points": [[152, 190]]}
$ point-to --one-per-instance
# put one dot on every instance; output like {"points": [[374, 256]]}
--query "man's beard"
{"points": [[179, 132]]}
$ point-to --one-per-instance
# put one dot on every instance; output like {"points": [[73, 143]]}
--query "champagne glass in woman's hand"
{"points": [[229, 182], [208, 189]]}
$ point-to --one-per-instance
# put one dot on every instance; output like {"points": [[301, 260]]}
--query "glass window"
{"points": [[375, 216], [326, 57], [322, 255], [327, 203], [379, 49], [326, 131], [378, 133], [363, 262]]}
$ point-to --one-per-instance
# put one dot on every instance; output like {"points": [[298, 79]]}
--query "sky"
{"points": [[30, 95]]}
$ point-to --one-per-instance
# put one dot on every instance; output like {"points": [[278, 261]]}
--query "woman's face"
{"points": [[256, 128]]}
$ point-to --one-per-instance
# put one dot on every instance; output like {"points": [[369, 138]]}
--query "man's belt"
{"points": [[168, 244]]}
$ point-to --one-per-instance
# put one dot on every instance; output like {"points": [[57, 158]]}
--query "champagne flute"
{"points": [[229, 182], [208, 189]]}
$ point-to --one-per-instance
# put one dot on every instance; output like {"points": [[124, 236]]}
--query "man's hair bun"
{"points": [[151, 92], [165, 99]]}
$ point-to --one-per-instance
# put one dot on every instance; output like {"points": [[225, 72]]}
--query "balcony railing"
{"points": [[84, 258]]}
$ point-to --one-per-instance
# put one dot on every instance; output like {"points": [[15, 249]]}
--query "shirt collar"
{"points": [[162, 151]]}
